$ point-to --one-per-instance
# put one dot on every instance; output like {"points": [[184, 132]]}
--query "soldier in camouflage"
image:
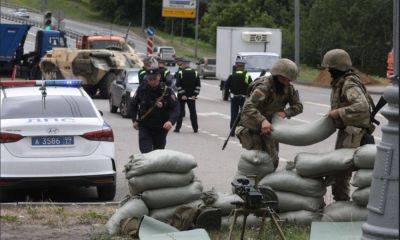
{"points": [[350, 109], [269, 95]]}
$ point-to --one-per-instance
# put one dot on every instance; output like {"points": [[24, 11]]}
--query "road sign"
{"points": [[179, 8], [151, 31]]}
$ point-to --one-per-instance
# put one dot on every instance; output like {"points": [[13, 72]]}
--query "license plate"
{"points": [[53, 140]]}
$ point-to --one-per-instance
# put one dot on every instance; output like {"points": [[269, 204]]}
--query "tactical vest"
{"points": [[188, 79], [239, 82]]}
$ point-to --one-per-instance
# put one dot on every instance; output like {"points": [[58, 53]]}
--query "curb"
{"points": [[44, 204], [370, 91]]}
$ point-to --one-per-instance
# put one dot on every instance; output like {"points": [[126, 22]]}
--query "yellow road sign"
{"points": [[178, 12]]}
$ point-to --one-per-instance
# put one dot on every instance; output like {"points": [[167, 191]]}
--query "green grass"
{"points": [[74, 9], [92, 216], [308, 74], [8, 218]]}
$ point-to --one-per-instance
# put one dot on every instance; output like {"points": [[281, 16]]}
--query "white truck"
{"points": [[259, 47]]}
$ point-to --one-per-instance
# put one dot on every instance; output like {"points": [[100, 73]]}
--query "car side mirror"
{"points": [[101, 112]]}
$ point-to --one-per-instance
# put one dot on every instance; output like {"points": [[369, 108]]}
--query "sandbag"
{"points": [[324, 164], [150, 181], [224, 201], [302, 216], [168, 197], [251, 220], [159, 161], [362, 178], [284, 131], [294, 202], [364, 157], [164, 214], [344, 211], [254, 162], [361, 196], [288, 181], [132, 208]]}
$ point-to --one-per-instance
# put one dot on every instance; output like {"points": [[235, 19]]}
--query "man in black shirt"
{"points": [[237, 85], [188, 85], [154, 111]]}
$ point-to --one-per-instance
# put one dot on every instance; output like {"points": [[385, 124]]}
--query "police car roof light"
{"points": [[27, 83]]}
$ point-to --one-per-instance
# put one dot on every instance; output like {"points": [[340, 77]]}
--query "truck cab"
{"points": [[109, 42], [12, 54]]}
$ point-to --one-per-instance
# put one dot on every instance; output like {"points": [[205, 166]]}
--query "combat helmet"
{"points": [[338, 59], [285, 67]]}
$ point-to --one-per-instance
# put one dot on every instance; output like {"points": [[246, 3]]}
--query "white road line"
{"points": [[318, 104], [208, 84], [206, 114], [207, 98], [321, 114], [378, 138]]}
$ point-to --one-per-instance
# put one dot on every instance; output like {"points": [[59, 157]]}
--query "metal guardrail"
{"points": [[69, 33]]}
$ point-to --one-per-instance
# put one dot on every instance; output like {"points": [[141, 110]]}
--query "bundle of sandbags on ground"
{"points": [[355, 210], [300, 199], [159, 181], [165, 180], [254, 162], [364, 160]]}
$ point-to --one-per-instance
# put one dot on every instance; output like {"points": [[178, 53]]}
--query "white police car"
{"points": [[52, 134]]}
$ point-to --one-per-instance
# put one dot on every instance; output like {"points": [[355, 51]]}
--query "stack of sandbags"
{"points": [[254, 162], [164, 180], [324, 164], [364, 160], [300, 199]]}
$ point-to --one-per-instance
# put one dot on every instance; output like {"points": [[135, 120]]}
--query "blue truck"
{"points": [[12, 54]]}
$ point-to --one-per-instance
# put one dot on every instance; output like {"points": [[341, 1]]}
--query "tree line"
{"points": [[361, 27]]}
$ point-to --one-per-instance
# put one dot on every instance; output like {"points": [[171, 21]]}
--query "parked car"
{"points": [[206, 67], [53, 135], [21, 12], [166, 53], [122, 91]]}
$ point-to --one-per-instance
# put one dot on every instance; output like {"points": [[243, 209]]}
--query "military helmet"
{"points": [[286, 68], [338, 59]]}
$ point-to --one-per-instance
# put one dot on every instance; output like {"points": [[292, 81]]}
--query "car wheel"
{"points": [[113, 108], [123, 108], [106, 192]]}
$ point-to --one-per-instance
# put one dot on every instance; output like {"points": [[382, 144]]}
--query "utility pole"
{"points": [[297, 33], [197, 28], [182, 31], [143, 15]]}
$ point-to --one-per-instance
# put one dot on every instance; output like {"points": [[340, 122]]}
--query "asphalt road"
{"points": [[216, 168]]}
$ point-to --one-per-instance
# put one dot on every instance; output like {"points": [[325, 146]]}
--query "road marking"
{"points": [[378, 138], [206, 114], [207, 98], [318, 104], [208, 84], [321, 114]]}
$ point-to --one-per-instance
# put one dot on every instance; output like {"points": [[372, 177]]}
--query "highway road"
{"points": [[216, 168]]}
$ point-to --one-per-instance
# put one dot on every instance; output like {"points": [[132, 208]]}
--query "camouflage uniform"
{"points": [[349, 96], [263, 102]]}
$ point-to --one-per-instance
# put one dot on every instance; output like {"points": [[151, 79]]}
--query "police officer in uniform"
{"points": [[237, 84], [188, 85], [269, 96], [166, 76], [350, 109], [154, 110], [147, 61]]}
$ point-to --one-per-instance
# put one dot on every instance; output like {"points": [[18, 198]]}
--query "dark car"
{"points": [[122, 90], [206, 67]]}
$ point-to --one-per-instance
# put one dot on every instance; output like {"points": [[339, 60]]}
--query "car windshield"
{"points": [[108, 44], [167, 50], [259, 62], [133, 77], [55, 106], [211, 61]]}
